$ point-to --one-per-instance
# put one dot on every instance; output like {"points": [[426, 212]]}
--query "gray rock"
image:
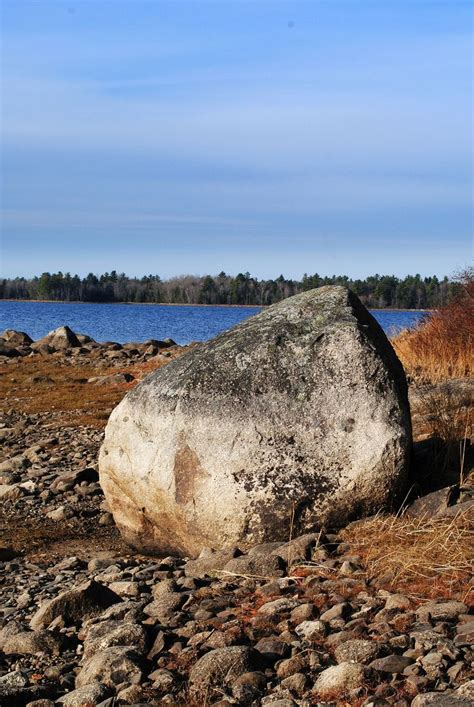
{"points": [[272, 648], [31, 642], [433, 505], [10, 492], [87, 600], [13, 679], [339, 679], [297, 550], [220, 667], [277, 606], [256, 566], [87, 695], [338, 611], [61, 338], [442, 611], [216, 448], [112, 666], [163, 680], [466, 690], [357, 651], [398, 601], [311, 630], [67, 480], [114, 633], [209, 561], [248, 687], [291, 666], [114, 378], [391, 663], [166, 600], [16, 338], [464, 634]]}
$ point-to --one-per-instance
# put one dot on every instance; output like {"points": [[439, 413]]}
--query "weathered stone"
{"points": [[222, 666], [391, 663], [114, 633], [272, 648], [290, 666], [248, 687], [277, 606], [10, 492], [67, 480], [398, 601], [465, 634], [16, 338], [256, 566], [111, 666], [114, 378], [61, 338], [339, 679], [311, 630], [338, 611], [209, 561], [442, 611], [166, 600], [85, 601], [31, 642], [433, 505], [356, 651], [125, 589], [87, 695], [299, 414]]}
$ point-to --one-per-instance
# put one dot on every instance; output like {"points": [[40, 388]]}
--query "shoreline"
{"points": [[182, 304]]}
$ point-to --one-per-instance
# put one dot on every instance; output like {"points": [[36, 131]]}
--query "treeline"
{"points": [[376, 291]]}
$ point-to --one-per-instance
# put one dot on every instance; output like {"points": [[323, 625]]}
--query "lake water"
{"points": [[135, 322]]}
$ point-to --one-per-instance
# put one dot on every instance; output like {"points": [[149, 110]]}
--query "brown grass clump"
{"points": [[442, 346], [424, 558]]}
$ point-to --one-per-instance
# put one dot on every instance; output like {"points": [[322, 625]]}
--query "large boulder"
{"points": [[297, 417], [16, 338], [59, 339]]}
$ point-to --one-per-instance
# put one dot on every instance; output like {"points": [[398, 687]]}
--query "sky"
{"points": [[266, 136]]}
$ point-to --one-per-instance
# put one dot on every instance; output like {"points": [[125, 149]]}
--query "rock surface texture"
{"points": [[299, 414]]}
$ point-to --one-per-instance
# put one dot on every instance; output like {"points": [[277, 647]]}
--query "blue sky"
{"points": [[271, 137]]}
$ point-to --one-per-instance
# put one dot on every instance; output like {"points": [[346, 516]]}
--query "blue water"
{"points": [[134, 322]]}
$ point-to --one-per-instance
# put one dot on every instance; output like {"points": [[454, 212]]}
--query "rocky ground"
{"points": [[86, 621]]}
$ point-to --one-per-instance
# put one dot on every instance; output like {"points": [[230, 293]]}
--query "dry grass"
{"points": [[417, 556], [442, 347], [66, 394], [443, 414]]}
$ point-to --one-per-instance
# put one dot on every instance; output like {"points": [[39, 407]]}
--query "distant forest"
{"points": [[377, 291]]}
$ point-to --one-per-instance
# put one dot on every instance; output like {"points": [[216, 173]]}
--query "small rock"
{"points": [[87, 695], [73, 605], [112, 666], [338, 611], [340, 679], [209, 561], [443, 611], [311, 630], [357, 651], [391, 663], [220, 667]]}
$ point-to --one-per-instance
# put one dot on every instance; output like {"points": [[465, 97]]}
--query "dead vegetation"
{"points": [[47, 384], [424, 558], [442, 347]]}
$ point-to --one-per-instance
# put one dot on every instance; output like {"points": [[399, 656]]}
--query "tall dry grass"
{"points": [[442, 347], [425, 558]]}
